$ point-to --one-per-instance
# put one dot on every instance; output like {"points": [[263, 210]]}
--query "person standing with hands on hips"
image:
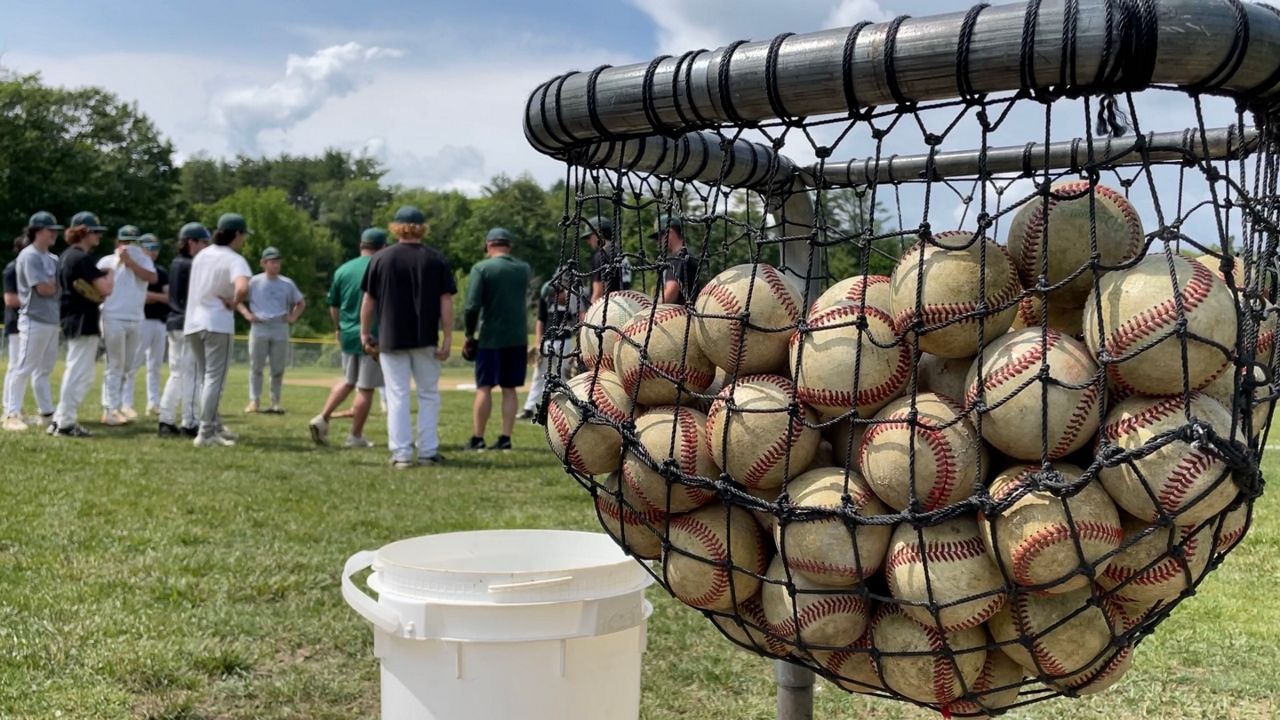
{"points": [[408, 293], [496, 309], [122, 316], [219, 282], [274, 304], [39, 298]]}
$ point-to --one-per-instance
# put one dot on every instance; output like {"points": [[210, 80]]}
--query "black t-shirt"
{"points": [[555, 316], [157, 310], [607, 269], [683, 268], [179, 283], [79, 314], [11, 286], [406, 280]]}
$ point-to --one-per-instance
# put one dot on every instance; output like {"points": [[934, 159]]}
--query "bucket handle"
{"points": [[530, 584], [367, 607]]}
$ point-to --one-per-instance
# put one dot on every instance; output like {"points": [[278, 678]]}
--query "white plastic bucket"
{"points": [[529, 624]]}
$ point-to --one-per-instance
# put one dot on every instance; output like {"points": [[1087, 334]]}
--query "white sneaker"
{"points": [[14, 423], [113, 418], [213, 441], [319, 428], [357, 442]]}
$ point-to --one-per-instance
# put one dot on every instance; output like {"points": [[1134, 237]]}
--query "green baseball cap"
{"points": [[410, 215], [667, 222], [499, 236], [194, 231], [89, 220], [601, 226], [234, 222], [128, 233], [45, 221], [149, 242], [374, 237], [270, 253]]}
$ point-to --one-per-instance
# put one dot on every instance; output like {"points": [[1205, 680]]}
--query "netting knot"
{"points": [[822, 152], [932, 139]]}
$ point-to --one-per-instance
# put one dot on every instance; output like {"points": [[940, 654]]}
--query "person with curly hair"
{"points": [[84, 287]]}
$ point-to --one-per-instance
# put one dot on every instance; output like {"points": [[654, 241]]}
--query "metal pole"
{"points": [[795, 691], [795, 212]]}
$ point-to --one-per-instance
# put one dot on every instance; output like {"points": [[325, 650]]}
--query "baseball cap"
{"points": [[44, 220], [128, 233], [149, 242], [499, 236], [410, 215], [601, 226], [194, 231], [270, 253], [88, 220], [666, 222], [234, 222], [373, 237]]}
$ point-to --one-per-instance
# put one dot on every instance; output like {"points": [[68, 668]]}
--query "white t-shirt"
{"points": [[213, 276], [130, 292]]}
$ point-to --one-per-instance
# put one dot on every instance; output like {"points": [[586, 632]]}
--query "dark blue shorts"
{"points": [[501, 367]]}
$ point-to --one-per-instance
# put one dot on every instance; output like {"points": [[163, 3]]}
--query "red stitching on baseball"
{"points": [[1025, 553], [995, 377], [565, 432], [954, 314], [1051, 665], [1159, 318], [1179, 484], [1161, 409], [693, 377], [833, 604], [1162, 572], [781, 291], [822, 567], [857, 291], [944, 463], [1079, 417], [716, 553], [827, 397], [936, 551]]}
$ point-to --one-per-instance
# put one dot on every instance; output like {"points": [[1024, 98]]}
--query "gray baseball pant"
{"points": [[268, 342], [212, 354]]}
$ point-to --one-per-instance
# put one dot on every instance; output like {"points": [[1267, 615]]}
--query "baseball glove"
{"points": [[87, 290]]}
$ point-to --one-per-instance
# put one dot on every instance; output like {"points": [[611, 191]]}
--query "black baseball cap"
{"points": [[601, 226], [89, 220], [45, 221], [666, 222], [234, 222], [194, 231], [373, 237], [499, 236], [410, 215]]}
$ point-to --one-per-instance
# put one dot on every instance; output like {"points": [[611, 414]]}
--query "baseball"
{"points": [[947, 321], [603, 323], [1059, 228], [913, 662], [1066, 319], [950, 459], [1157, 563], [742, 339], [1023, 418], [943, 376], [658, 361], [1034, 539], [853, 668], [588, 440], [1230, 528], [1067, 633], [840, 367], [638, 530], [748, 628], [1188, 482], [1107, 671], [871, 290], [753, 436], [1223, 389], [674, 433], [716, 558], [995, 689], [815, 615], [946, 566], [1138, 326], [827, 550]]}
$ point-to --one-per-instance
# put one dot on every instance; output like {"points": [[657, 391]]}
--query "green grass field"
{"points": [[142, 578]]}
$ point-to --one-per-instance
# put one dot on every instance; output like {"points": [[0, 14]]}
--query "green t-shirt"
{"points": [[496, 301], [346, 295]]}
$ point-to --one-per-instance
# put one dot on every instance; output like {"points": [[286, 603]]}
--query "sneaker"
{"points": [[436, 459], [167, 430], [319, 428], [52, 429], [113, 418], [504, 443], [212, 441], [153, 410], [274, 410], [251, 408], [31, 420], [527, 414], [226, 434], [75, 430], [45, 420], [356, 442], [403, 464], [129, 414], [14, 423], [191, 431], [475, 444]]}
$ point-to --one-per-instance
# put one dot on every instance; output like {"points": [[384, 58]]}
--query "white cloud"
{"points": [[453, 167], [244, 113], [684, 26]]}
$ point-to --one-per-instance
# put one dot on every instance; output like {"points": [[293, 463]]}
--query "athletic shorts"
{"points": [[361, 371], [501, 367]]}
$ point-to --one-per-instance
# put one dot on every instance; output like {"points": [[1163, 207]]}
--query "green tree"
{"points": [[84, 149], [308, 251]]}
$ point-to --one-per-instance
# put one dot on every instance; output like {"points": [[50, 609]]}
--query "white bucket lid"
{"points": [[507, 567]]}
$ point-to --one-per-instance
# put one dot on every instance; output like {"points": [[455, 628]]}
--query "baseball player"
{"points": [[560, 308], [84, 286], [274, 303], [122, 318], [151, 346], [39, 297], [182, 390], [360, 372]]}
